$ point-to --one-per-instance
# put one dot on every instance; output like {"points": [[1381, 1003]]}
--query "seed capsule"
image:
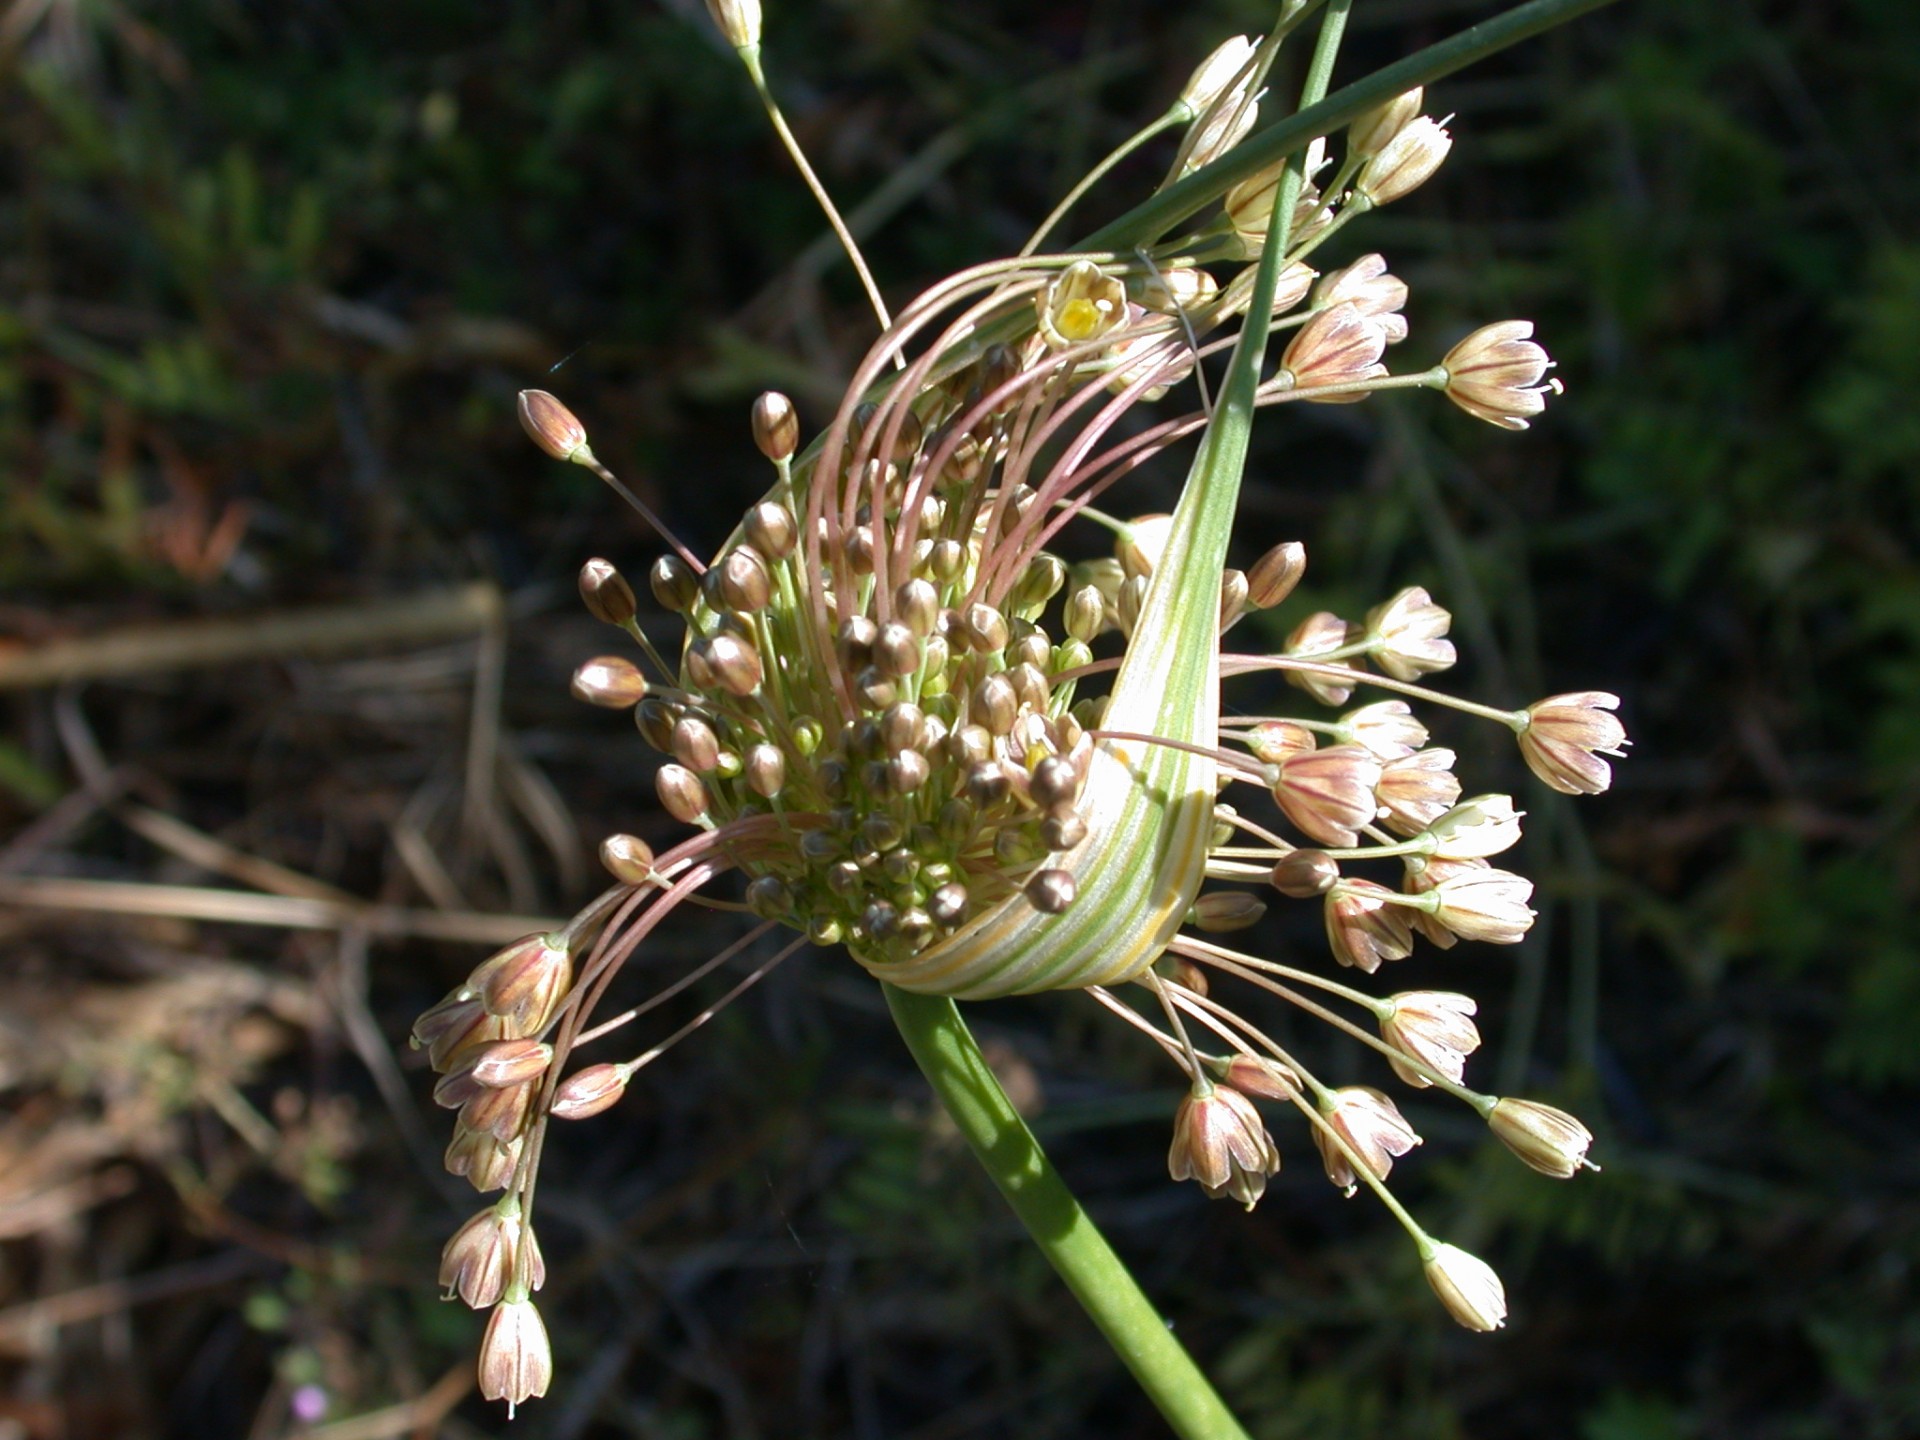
{"points": [[605, 593]]}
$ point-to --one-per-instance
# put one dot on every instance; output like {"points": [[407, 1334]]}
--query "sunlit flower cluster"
{"points": [[915, 729]]}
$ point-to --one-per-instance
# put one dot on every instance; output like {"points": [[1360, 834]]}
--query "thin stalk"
{"points": [[1093, 177], [751, 56], [947, 1055]]}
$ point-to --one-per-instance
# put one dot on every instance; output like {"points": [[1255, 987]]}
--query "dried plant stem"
{"points": [[1072, 1243]]}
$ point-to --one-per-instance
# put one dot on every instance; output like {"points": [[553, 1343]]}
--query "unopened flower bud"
{"points": [[1274, 575], [610, 681], [587, 1092], [553, 427], [1565, 736], [1405, 163], [1366, 285], [1370, 133], [681, 793], [1224, 911], [1273, 742], [740, 582], [1051, 891], [766, 770], [736, 664], [605, 593], [1141, 543], [776, 427], [509, 1062], [1551, 1141], [524, 983], [1305, 874], [627, 858], [1223, 70], [674, 584], [1467, 1286], [1259, 1076]]}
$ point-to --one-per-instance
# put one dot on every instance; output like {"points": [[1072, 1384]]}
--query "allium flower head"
{"points": [[902, 724]]}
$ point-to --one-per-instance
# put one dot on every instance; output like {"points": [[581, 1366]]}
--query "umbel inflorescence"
{"points": [[920, 734]]}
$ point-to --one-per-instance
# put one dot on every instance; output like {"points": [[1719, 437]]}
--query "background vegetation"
{"points": [[269, 279]]}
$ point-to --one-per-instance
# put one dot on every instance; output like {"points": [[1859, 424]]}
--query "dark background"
{"points": [[270, 276]]}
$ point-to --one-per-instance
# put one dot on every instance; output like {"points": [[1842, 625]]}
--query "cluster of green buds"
{"points": [[917, 730]]}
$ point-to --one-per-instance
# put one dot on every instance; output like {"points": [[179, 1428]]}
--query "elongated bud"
{"points": [[681, 793], [1218, 73], [1305, 874], [738, 21], [1551, 1141], [1371, 133], [627, 858], [1257, 1075], [524, 982], [610, 681], [587, 1092], [771, 529], [605, 593], [510, 1062], [739, 582], [1467, 1286], [553, 427], [1225, 911], [1275, 574], [736, 665], [1406, 162], [776, 428]]}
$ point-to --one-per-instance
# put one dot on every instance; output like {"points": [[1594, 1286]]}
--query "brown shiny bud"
{"points": [[901, 727], [605, 593], [776, 428], [1233, 597], [854, 642], [1063, 828], [918, 605], [1086, 613], [587, 1092], [1055, 781], [896, 651], [1038, 583], [610, 681], [553, 427], [766, 770], [739, 583], [1051, 891], [986, 629], [1305, 874], [681, 793], [947, 560], [995, 704], [655, 720], [736, 665], [1224, 911], [695, 745], [769, 897], [627, 858], [1257, 1075], [674, 584], [510, 1062], [771, 529]]}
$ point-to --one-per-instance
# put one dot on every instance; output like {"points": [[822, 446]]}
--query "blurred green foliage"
{"points": [[270, 276]]}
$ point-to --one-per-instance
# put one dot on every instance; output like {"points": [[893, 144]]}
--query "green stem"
{"points": [[1072, 1243]]}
